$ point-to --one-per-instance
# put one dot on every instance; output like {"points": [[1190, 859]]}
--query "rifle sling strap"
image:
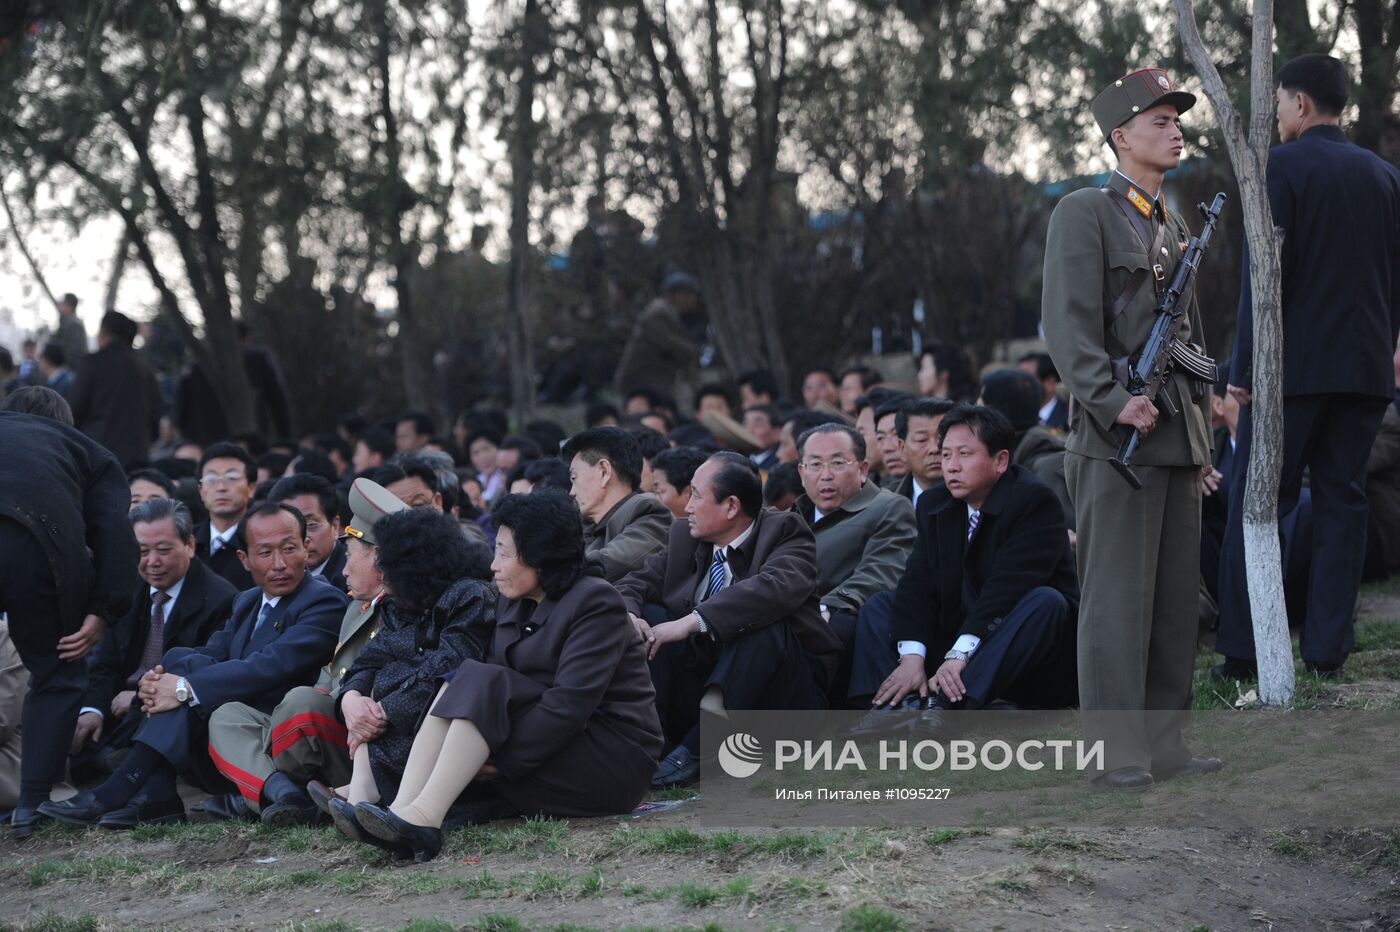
{"points": [[1112, 313]]}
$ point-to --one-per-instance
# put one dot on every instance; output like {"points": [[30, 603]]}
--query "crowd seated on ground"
{"points": [[397, 631]]}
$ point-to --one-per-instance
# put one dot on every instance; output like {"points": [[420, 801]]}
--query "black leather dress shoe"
{"points": [[83, 809], [343, 815], [425, 842], [142, 810], [1323, 671], [25, 821], [321, 795], [291, 809], [1234, 669], [1131, 779], [228, 807], [1192, 767], [680, 766]]}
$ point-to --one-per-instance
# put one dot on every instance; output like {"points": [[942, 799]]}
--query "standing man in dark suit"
{"points": [[315, 498], [226, 475], [1339, 207], [1054, 411], [986, 607], [115, 398], [278, 636], [180, 603], [729, 611], [69, 559]]}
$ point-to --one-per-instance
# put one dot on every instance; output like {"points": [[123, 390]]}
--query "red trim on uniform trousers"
{"points": [[307, 725], [248, 785]]}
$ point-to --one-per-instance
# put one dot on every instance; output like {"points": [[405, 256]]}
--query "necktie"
{"points": [[716, 582], [215, 545], [972, 518], [267, 607], [155, 638]]}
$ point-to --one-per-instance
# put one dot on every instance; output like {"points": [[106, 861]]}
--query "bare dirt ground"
{"points": [[1182, 867]]}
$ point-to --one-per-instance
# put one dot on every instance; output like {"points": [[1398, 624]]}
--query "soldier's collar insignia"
{"points": [[1143, 205]]}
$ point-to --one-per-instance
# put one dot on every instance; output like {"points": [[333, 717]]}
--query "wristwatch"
{"points": [[959, 655], [182, 690]]}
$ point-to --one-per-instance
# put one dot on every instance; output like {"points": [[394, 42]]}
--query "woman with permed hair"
{"points": [[560, 718], [440, 612]]}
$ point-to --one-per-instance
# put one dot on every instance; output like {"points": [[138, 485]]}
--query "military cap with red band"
{"points": [[1135, 92]]}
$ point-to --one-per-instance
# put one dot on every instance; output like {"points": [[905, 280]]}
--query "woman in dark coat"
{"points": [[441, 612], [561, 716]]}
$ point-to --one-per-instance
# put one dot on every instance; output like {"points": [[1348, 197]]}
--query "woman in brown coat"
{"points": [[562, 714]]}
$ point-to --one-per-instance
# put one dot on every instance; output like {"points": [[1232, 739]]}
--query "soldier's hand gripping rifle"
{"points": [[1148, 372]]}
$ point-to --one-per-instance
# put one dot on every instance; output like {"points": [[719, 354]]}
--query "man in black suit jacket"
{"points": [[180, 603], [69, 564], [278, 636], [315, 498], [1339, 207], [115, 398], [986, 608], [227, 474]]}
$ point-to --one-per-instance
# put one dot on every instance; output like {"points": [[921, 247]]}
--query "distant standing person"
{"points": [[660, 345], [71, 335], [1339, 207], [115, 398]]}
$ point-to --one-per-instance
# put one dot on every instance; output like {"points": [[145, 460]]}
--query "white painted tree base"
{"points": [[1272, 648]]}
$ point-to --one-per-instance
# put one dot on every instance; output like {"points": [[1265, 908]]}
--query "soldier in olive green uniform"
{"points": [[1109, 252], [270, 758]]}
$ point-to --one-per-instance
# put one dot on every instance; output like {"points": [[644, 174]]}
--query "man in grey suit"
{"points": [[864, 533], [621, 526]]}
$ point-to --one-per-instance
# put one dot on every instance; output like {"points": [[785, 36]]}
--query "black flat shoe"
{"points": [[676, 768], [1129, 779], [228, 807], [83, 809], [381, 823], [143, 811], [343, 816], [26, 821], [1234, 669], [1192, 767]]}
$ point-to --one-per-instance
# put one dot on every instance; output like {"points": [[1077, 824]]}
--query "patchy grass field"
{"points": [[672, 870]]}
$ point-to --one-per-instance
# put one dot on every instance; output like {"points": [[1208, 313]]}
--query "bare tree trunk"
{"points": [[1250, 156], [522, 181], [34, 269], [396, 201], [114, 280]]}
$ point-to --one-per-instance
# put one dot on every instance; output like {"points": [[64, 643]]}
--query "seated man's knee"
{"points": [[1044, 600]]}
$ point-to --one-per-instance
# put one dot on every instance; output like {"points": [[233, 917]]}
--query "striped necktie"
{"points": [[267, 607], [716, 582], [972, 518]]}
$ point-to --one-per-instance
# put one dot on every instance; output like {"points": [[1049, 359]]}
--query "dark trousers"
{"points": [[767, 669], [29, 597], [181, 736], [1027, 657], [843, 625], [1330, 436]]}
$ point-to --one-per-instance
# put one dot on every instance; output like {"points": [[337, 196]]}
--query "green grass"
{"points": [[870, 919], [498, 922], [946, 835], [1054, 841], [1292, 846], [696, 896], [52, 922]]}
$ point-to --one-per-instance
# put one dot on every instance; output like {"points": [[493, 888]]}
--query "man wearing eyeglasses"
{"points": [[863, 532], [226, 473]]}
